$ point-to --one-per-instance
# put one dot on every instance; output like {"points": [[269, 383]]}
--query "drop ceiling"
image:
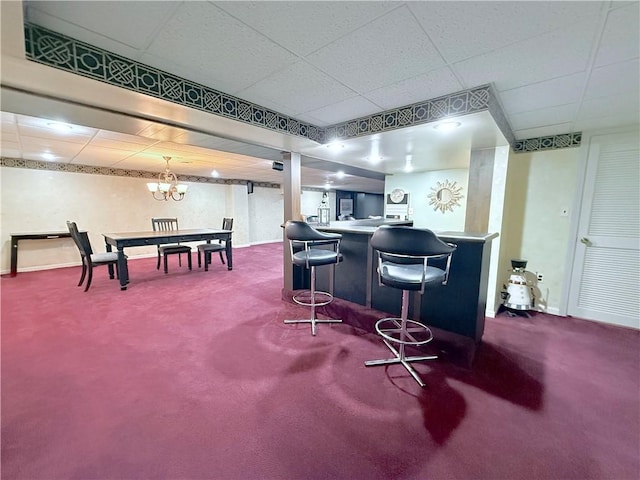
{"points": [[556, 67]]}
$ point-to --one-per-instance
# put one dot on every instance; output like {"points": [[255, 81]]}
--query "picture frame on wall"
{"points": [[346, 206]]}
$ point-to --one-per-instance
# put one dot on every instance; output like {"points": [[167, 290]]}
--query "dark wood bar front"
{"points": [[459, 307]]}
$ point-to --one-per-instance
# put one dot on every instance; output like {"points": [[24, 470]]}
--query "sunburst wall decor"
{"points": [[445, 196]]}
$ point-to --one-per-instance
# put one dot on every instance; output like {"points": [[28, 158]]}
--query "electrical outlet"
{"points": [[539, 275]]}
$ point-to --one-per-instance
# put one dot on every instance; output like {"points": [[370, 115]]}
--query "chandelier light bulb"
{"points": [[167, 186]]}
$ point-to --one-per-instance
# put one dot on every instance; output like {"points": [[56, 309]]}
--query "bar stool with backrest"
{"points": [[412, 260], [309, 249], [90, 259], [170, 225], [208, 248]]}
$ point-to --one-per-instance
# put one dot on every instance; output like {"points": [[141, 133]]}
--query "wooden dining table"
{"points": [[123, 240]]}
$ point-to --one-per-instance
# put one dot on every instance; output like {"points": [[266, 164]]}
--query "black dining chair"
{"points": [[207, 249], [170, 225], [90, 259]]}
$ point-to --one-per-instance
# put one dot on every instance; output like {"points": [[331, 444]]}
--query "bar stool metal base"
{"points": [[403, 331], [309, 298]]}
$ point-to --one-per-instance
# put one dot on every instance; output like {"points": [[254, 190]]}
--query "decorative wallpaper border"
{"points": [[448, 106], [119, 172], [66, 53], [552, 142], [59, 51]]}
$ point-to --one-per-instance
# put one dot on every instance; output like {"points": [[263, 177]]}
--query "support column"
{"points": [[292, 192], [479, 190]]}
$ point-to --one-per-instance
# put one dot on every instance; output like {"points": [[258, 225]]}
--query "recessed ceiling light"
{"points": [[327, 186], [340, 174], [59, 126], [335, 145], [215, 174], [447, 126]]}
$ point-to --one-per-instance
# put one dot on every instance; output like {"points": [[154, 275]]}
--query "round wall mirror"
{"points": [[445, 196]]}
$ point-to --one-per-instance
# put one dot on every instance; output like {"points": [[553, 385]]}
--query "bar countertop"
{"points": [[367, 227]]}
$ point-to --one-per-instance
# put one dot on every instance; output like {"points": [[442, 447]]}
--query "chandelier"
{"points": [[167, 185]]}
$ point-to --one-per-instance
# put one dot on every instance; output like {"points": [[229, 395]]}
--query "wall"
{"points": [[265, 206], [369, 204], [42, 200], [419, 186], [311, 199], [541, 185], [529, 192]]}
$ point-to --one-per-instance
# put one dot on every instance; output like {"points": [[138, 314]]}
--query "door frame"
{"points": [[583, 159]]}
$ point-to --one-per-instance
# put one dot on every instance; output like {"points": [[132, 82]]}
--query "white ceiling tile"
{"points": [[603, 122], [621, 38], [346, 110], [304, 27], [120, 144], [356, 61], [97, 155], [293, 85], [557, 91], [202, 37], [192, 72], [614, 79], [10, 149], [8, 120], [33, 147], [557, 54], [465, 29], [45, 128], [423, 87], [123, 137], [122, 25], [604, 106], [542, 131], [9, 135], [544, 116]]}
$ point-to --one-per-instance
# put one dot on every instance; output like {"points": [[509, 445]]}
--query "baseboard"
{"points": [[38, 268], [264, 242], [550, 310]]}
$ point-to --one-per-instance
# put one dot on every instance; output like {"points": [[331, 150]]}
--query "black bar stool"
{"points": [[409, 259], [311, 248]]}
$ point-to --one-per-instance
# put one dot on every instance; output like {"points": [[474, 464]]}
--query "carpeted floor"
{"points": [[193, 375]]}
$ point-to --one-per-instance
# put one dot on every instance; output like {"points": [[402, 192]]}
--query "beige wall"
{"points": [[419, 185], [540, 186], [41, 200], [529, 192]]}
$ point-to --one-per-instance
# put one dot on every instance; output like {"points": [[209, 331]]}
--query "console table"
{"points": [[16, 237]]}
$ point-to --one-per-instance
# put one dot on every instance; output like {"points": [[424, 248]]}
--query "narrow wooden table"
{"points": [[140, 239], [16, 237]]}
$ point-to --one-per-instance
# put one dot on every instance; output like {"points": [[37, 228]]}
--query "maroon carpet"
{"points": [[193, 375]]}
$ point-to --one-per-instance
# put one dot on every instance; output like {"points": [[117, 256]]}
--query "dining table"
{"points": [[124, 240]]}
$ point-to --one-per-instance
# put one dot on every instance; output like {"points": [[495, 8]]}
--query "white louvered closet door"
{"points": [[605, 282]]}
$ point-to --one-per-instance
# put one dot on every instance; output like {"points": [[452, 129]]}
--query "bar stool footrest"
{"points": [[319, 300], [391, 329]]}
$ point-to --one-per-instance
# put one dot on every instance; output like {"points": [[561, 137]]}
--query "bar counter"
{"points": [[458, 307]]}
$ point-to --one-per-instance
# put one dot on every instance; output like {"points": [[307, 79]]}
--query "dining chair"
{"points": [[208, 248], [169, 225], [90, 259]]}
